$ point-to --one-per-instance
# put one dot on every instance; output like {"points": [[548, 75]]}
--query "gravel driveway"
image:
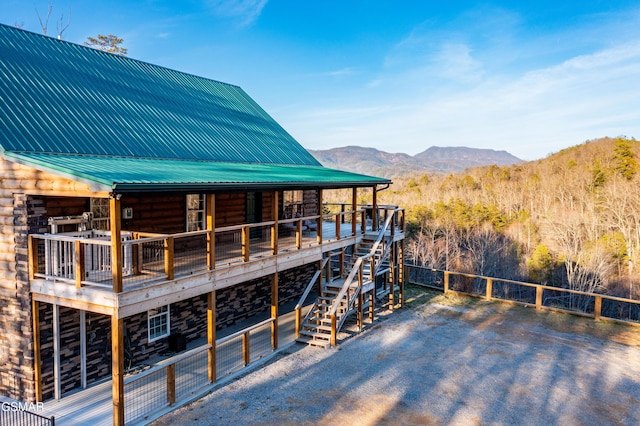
{"points": [[443, 360]]}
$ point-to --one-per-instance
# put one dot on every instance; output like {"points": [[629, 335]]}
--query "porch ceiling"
{"points": [[132, 174]]}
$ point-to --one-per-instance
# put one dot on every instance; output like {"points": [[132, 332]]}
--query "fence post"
{"points": [[171, 384], [539, 291], [446, 282], [246, 353], [597, 309], [298, 321], [489, 288]]}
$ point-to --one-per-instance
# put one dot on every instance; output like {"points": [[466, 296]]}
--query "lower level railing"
{"points": [[181, 376], [597, 306], [13, 413]]}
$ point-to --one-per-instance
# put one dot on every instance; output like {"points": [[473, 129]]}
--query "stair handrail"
{"points": [[347, 283], [298, 308], [383, 230], [356, 266], [311, 283]]}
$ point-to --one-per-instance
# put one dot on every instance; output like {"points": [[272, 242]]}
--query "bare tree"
{"points": [[62, 26], [44, 23]]}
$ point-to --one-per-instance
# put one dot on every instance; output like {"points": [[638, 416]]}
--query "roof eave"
{"points": [[122, 188], [95, 186]]}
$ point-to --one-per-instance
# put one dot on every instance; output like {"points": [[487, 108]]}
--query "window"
{"points": [[292, 201], [196, 214], [158, 323], [100, 210]]}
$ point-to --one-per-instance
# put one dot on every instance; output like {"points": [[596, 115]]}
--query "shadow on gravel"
{"points": [[443, 361]]}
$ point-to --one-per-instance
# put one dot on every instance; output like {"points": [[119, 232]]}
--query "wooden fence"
{"points": [[593, 305]]}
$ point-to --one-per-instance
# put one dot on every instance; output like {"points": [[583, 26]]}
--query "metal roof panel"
{"points": [[60, 97]]}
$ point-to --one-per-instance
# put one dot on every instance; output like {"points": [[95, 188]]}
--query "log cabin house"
{"points": [[143, 209]]}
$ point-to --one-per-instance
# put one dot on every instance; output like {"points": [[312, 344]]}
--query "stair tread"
{"points": [[311, 342], [317, 336]]}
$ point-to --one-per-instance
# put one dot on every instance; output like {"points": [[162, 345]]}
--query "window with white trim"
{"points": [[158, 323], [196, 214]]}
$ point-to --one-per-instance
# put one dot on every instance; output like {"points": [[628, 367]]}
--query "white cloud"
{"points": [[245, 12], [342, 72], [530, 114]]}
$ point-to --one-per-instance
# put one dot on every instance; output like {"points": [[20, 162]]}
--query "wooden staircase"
{"points": [[340, 295], [316, 328]]}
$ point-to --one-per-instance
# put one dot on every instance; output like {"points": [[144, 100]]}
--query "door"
{"points": [[254, 212]]}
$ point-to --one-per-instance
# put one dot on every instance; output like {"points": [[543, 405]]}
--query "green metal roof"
{"points": [[125, 125], [128, 174], [61, 97]]}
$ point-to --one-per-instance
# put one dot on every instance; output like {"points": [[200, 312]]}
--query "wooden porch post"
{"points": [[401, 271], [374, 210], [78, 255], [116, 242], [372, 306], [245, 235], [117, 369], [211, 335], [360, 295], [321, 269], [274, 217], [37, 365], [169, 263], [319, 209], [211, 227], [354, 207], [274, 311], [392, 277]]}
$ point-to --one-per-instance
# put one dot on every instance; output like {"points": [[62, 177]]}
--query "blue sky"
{"points": [[530, 78]]}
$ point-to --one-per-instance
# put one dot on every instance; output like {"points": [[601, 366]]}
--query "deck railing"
{"points": [[15, 413], [183, 375], [593, 305], [84, 259]]}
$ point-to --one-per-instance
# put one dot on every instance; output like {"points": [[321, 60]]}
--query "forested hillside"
{"points": [[570, 220]]}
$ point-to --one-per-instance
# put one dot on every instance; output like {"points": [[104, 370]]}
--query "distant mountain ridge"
{"points": [[435, 159]]}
